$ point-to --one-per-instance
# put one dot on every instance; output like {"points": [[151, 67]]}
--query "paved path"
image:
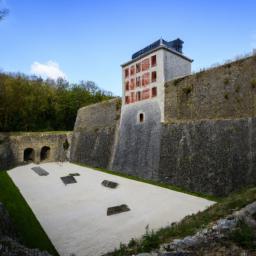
{"points": [[74, 216]]}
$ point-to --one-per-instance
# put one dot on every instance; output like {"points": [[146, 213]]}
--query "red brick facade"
{"points": [[138, 76]]}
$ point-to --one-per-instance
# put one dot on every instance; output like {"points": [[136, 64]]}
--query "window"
{"points": [[132, 84], [145, 64], [126, 72], [138, 96], [138, 67], [132, 70], [154, 92], [145, 94], [138, 81], [132, 99], [127, 99], [127, 85], [145, 79], [153, 60], [153, 77], [141, 117]]}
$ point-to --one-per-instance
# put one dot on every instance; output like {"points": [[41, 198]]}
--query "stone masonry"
{"points": [[13, 145]]}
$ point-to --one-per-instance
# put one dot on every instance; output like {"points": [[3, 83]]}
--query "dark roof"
{"points": [[173, 45]]}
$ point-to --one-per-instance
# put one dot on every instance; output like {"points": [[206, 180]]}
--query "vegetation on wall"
{"points": [[34, 104], [253, 83]]}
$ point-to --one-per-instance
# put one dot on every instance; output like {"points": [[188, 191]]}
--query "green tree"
{"points": [[34, 104], [3, 13]]}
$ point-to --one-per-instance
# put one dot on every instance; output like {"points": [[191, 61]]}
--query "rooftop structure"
{"points": [[176, 45]]}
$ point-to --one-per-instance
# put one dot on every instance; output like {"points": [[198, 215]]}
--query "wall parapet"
{"points": [[224, 92]]}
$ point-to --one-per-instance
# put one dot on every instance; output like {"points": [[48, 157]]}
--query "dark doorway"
{"points": [[141, 117], [29, 155], [45, 153], [66, 145]]}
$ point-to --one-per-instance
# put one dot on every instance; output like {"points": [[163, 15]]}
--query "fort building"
{"points": [[196, 131], [144, 76]]}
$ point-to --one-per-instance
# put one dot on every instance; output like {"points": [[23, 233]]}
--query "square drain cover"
{"points": [[40, 171], [117, 209], [68, 180]]}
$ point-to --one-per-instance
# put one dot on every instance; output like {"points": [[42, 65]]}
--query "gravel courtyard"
{"points": [[74, 216]]}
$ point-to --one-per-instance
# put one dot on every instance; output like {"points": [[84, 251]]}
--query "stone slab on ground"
{"points": [[109, 184], [117, 209], [69, 179], [74, 217], [40, 171]]}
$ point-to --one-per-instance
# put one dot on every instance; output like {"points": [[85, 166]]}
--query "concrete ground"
{"points": [[74, 216]]}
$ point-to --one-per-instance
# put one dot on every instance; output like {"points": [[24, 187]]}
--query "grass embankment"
{"points": [[189, 225], [155, 183], [28, 228], [37, 133]]}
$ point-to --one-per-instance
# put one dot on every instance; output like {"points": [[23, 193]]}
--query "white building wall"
{"points": [[168, 66], [175, 66], [159, 83]]}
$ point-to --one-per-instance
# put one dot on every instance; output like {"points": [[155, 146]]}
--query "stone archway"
{"points": [[29, 155], [45, 153]]}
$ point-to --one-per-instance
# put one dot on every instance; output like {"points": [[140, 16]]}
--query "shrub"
{"points": [[150, 241], [187, 90], [118, 104], [237, 89], [226, 81], [243, 236], [177, 81], [66, 145], [132, 243], [226, 96], [253, 83]]}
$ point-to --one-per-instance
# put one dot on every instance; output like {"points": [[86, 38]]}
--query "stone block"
{"points": [[117, 209], [40, 171], [109, 184], [68, 180]]}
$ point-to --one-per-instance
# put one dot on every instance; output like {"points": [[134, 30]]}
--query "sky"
{"points": [[89, 40]]}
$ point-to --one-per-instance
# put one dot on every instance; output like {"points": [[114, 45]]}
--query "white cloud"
{"points": [[49, 70]]}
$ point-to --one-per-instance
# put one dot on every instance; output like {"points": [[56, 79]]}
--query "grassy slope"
{"points": [[29, 229], [37, 133], [189, 225]]}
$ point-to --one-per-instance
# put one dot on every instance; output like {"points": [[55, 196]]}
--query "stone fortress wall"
{"points": [[208, 140], [19, 148], [225, 92], [206, 144], [95, 132], [138, 143]]}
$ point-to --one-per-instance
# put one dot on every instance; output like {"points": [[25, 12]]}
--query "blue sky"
{"points": [[88, 40]]}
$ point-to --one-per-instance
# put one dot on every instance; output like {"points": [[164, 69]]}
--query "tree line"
{"points": [[29, 103]]}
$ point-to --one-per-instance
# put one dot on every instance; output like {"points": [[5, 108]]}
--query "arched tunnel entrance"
{"points": [[45, 153], [29, 155]]}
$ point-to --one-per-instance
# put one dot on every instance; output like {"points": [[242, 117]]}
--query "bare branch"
{"points": [[3, 13]]}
